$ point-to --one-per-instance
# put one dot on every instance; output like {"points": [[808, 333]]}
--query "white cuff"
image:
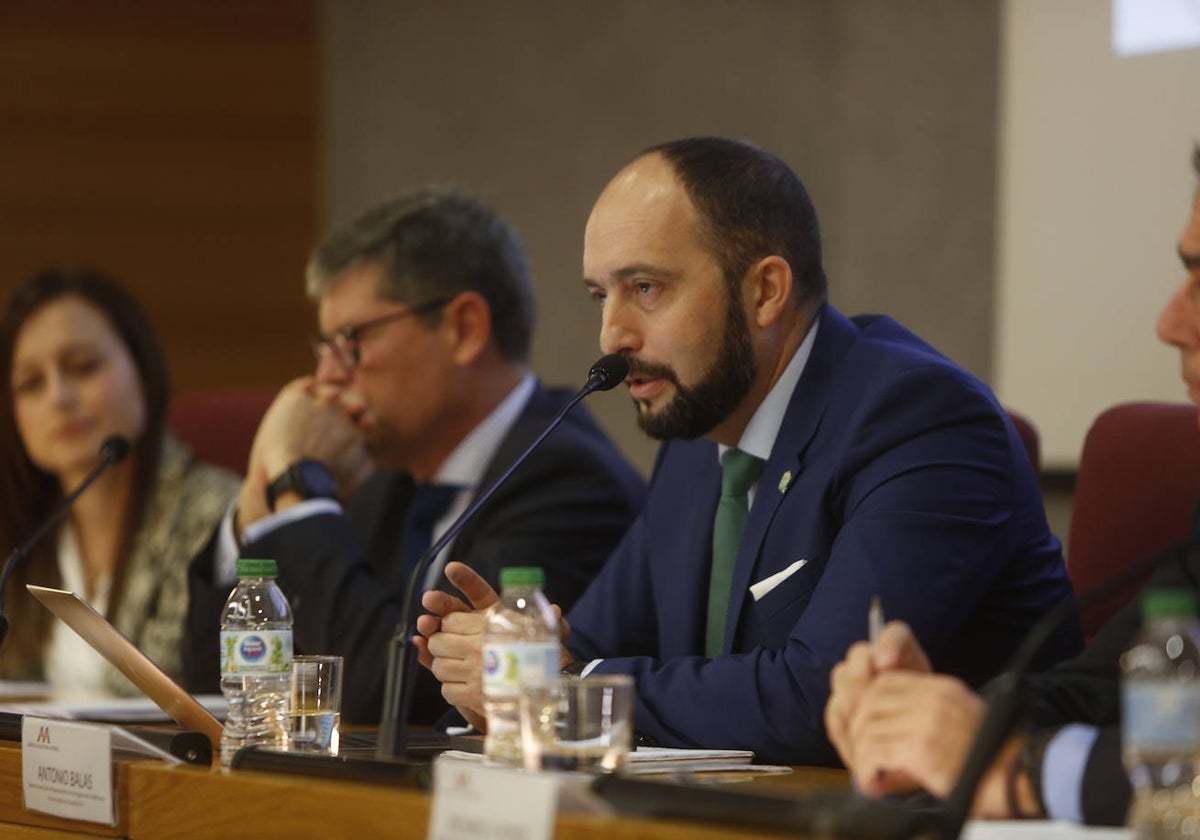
{"points": [[302, 510], [1063, 764]]}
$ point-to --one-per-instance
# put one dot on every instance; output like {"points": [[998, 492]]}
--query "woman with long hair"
{"points": [[81, 363]]}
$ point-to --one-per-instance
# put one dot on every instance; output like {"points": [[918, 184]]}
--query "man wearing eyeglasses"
{"points": [[421, 397]]}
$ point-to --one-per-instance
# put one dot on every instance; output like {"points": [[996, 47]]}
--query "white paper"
{"points": [[1039, 830], [669, 760], [112, 710], [66, 769], [657, 755], [475, 802]]}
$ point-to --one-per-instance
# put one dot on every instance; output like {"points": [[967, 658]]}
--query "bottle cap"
{"points": [[1168, 602], [257, 568], [522, 576]]}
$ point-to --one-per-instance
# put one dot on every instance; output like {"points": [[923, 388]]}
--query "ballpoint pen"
{"points": [[874, 621]]}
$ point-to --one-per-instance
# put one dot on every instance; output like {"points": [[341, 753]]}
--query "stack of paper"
{"points": [[670, 760]]}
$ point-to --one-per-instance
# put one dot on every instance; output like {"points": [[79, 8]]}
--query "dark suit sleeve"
{"points": [[925, 516], [200, 645], [1086, 688], [1105, 793]]}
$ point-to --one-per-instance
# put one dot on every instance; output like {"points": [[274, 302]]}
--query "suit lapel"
{"points": [[800, 423], [378, 509], [536, 414]]}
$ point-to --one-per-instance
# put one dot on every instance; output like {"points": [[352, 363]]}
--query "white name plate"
{"points": [[476, 802], [66, 769]]}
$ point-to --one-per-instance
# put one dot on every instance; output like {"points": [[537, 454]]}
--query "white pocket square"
{"points": [[757, 590]]}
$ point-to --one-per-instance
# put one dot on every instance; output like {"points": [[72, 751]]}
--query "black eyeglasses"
{"points": [[344, 343]]}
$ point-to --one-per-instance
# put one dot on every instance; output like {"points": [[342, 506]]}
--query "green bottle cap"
{"points": [[522, 576], [1158, 603], [257, 568]]}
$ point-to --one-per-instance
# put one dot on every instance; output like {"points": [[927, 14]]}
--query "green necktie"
{"points": [[739, 471]]}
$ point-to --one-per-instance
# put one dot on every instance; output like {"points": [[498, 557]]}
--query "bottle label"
{"points": [[256, 652], [1161, 715], [508, 667]]}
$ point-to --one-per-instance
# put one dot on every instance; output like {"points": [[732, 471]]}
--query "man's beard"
{"points": [[697, 409]]}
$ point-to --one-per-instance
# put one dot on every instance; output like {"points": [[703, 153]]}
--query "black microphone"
{"points": [[835, 814], [398, 690], [112, 451], [608, 372]]}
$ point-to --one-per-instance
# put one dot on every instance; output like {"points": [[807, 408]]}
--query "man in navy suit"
{"points": [[880, 468]]}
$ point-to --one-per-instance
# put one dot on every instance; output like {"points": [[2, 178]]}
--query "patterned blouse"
{"points": [[188, 501]]}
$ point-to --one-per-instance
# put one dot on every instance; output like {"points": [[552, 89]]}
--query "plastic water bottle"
{"points": [[1161, 716], [520, 656], [256, 660]]}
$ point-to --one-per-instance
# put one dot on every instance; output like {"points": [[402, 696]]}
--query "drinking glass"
{"points": [[316, 703], [583, 724]]}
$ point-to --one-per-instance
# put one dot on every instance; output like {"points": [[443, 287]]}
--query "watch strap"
{"points": [[294, 480]]}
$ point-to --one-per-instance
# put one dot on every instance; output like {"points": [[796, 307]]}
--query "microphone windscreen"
{"points": [[114, 449], [610, 371]]}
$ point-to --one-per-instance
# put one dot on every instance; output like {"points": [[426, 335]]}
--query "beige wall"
{"points": [[886, 109], [1096, 185]]}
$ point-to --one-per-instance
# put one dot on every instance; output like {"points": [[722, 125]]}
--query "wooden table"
{"points": [[160, 801]]}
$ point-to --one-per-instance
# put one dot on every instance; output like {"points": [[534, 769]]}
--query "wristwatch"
{"points": [[308, 478], [574, 668]]}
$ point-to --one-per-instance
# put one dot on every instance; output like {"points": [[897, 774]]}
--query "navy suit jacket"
{"points": [[895, 473], [564, 510]]}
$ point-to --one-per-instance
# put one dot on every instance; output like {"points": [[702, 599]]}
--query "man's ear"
{"points": [[769, 289], [467, 324]]}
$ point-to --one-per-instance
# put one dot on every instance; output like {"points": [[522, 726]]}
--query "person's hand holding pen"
{"points": [[898, 726], [888, 647]]}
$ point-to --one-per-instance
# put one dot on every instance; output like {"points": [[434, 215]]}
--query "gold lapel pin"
{"points": [[784, 481]]}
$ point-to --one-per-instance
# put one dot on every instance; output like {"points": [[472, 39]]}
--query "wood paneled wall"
{"points": [[173, 145]]}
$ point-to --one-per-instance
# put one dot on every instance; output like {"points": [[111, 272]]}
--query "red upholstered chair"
{"points": [[1029, 437], [1138, 481], [220, 425]]}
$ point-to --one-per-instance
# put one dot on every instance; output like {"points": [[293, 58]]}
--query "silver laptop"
{"points": [[110, 643]]}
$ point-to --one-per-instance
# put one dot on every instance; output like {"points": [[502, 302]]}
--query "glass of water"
{"points": [[316, 703], [581, 724]]}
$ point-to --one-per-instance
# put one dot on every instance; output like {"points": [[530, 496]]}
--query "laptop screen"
{"points": [[110, 643]]}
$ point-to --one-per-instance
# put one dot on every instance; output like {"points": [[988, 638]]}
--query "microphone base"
{"points": [[357, 759], [416, 773], [418, 744], [830, 814]]}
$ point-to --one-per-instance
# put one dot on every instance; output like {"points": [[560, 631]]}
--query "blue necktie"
{"points": [[739, 471], [428, 504]]}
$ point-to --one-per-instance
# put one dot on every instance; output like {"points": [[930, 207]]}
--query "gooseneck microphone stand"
{"points": [[113, 450], [398, 691]]}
